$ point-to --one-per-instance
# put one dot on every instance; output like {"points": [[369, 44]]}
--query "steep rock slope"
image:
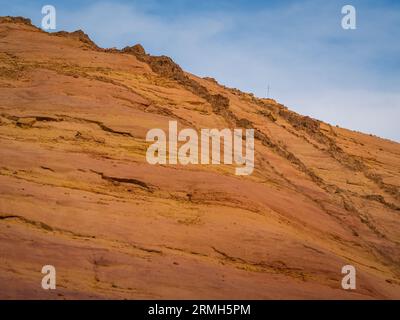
{"points": [[77, 192]]}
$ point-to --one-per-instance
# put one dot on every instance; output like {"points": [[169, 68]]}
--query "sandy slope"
{"points": [[76, 191]]}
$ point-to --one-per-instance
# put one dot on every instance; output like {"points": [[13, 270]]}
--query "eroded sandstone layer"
{"points": [[77, 192]]}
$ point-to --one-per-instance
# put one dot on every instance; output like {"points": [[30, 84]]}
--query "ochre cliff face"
{"points": [[77, 192]]}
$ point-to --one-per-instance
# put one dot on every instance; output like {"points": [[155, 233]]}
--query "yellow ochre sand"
{"points": [[77, 192]]}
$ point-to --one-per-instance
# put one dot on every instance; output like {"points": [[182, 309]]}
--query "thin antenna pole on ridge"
{"points": [[268, 92]]}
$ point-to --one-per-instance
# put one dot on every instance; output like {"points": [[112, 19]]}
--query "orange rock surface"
{"points": [[77, 192]]}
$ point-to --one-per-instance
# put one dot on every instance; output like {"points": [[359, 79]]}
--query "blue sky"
{"points": [[345, 77]]}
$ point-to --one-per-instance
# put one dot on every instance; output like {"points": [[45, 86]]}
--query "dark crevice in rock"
{"points": [[124, 180], [47, 168], [379, 198], [100, 124]]}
